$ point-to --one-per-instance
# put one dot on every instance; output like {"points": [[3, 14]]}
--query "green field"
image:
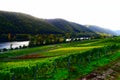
{"points": [[59, 61]]}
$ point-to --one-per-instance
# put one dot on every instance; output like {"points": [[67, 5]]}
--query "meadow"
{"points": [[59, 61]]}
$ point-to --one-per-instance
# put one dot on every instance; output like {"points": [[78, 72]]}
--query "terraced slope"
{"points": [[71, 61]]}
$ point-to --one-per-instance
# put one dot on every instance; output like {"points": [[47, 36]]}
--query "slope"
{"points": [[118, 32], [98, 29], [70, 27], [19, 23]]}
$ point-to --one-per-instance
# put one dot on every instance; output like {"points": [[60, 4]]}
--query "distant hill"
{"points": [[98, 29], [67, 26], [118, 32], [19, 23]]}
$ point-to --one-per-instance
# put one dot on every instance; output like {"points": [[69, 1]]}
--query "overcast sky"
{"points": [[103, 13]]}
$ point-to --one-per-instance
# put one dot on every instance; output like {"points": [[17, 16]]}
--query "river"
{"points": [[15, 44]]}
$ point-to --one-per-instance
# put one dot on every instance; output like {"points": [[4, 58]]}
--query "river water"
{"points": [[14, 44]]}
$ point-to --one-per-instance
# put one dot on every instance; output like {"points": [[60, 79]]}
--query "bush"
{"points": [[5, 49]]}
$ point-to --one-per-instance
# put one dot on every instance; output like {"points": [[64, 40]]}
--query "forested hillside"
{"points": [[19, 23], [19, 26], [101, 30]]}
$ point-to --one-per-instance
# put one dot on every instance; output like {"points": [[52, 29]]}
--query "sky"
{"points": [[103, 13]]}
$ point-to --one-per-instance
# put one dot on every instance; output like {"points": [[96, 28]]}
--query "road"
{"points": [[107, 72]]}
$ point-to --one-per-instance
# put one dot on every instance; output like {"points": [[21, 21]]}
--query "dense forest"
{"points": [[20, 27], [19, 23]]}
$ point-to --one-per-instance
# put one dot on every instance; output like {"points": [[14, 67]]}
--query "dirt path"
{"points": [[108, 72]]}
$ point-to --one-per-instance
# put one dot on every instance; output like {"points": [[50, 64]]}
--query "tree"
{"points": [[9, 36]]}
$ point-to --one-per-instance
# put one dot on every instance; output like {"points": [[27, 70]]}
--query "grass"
{"points": [[9, 60], [61, 51], [84, 70], [24, 51], [45, 49], [52, 50]]}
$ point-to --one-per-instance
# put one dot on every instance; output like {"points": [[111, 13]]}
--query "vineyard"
{"points": [[65, 61]]}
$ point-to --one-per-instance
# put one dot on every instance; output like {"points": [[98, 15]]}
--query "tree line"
{"points": [[44, 39]]}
